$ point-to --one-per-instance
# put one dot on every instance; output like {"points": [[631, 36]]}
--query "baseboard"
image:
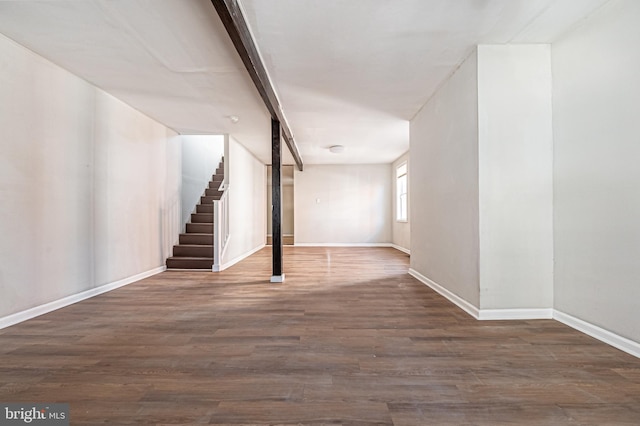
{"points": [[397, 247], [515, 314], [626, 345], [342, 244], [402, 249], [455, 299], [235, 260], [74, 298], [483, 314]]}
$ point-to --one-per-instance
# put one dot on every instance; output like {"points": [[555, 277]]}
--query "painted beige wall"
{"points": [[343, 204], [247, 198], [90, 187], [400, 231], [515, 155], [444, 185], [596, 174], [481, 211]]}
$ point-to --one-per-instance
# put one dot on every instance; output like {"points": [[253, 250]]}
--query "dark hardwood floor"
{"points": [[349, 339]]}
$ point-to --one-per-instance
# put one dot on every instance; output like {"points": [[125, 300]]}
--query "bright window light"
{"points": [[401, 193]]}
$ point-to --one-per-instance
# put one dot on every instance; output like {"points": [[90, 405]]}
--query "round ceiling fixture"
{"points": [[234, 119], [336, 149]]}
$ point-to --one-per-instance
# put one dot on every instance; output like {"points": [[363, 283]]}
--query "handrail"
{"points": [[220, 226]]}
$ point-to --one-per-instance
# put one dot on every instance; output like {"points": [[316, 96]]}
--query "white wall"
{"points": [[444, 185], [247, 198], [90, 187], [400, 231], [201, 155], [596, 174], [515, 176], [354, 204]]}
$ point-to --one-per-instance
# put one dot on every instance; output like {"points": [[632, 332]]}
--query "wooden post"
{"points": [[276, 199]]}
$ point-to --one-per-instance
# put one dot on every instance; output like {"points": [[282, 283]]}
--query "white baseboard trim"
{"points": [[402, 249], [74, 298], [237, 259], [342, 244], [391, 245], [516, 314], [455, 299], [626, 345], [484, 314]]}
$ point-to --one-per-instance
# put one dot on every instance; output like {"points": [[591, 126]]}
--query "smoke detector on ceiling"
{"points": [[337, 149]]}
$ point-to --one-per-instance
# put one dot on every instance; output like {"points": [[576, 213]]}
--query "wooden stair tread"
{"points": [[199, 227], [180, 262], [190, 258]]}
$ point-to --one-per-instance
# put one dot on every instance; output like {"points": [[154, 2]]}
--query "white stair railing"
{"points": [[220, 226]]}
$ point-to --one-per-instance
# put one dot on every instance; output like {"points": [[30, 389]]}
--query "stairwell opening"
{"points": [[202, 175]]}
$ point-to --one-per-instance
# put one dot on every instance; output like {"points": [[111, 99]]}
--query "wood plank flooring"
{"points": [[349, 339]]}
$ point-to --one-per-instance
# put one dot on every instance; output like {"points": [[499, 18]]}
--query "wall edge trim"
{"points": [[612, 339], [619, 342], [516, 314], [343, 244], [454, 298], [237, 259], [402, 249], [45, 308]]}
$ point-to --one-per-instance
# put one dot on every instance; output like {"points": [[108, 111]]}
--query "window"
{"points": [[401, 193]]}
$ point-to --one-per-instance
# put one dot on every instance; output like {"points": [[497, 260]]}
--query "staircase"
{"points": [[195, 247]]}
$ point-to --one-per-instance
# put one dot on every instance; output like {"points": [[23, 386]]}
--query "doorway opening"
{"points": [[287, 205]]}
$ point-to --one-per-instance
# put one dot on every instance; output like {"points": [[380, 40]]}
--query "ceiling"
{"points": [[347, 72]]}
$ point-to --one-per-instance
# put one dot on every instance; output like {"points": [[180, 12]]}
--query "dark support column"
{"points": [[276, 192]]}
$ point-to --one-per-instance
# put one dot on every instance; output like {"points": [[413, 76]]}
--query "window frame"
{"points": [[402, 204]]}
